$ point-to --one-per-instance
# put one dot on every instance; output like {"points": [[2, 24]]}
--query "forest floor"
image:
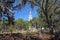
{"points": [[26, 34]]}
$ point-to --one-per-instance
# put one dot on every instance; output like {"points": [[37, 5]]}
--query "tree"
{"points": [[21, 24], [6, 13], [5, 10], [47, 9], [36, 22]]}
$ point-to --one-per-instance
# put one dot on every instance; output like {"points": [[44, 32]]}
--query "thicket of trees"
{"points": [[48, 12], [21, 24]]}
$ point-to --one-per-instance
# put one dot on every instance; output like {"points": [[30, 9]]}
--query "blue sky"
{"points": [[24, 12]]}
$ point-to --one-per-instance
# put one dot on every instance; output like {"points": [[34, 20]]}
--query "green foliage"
{"points": [[48, 12], [46, 9], [37, 21], [22, 24]]}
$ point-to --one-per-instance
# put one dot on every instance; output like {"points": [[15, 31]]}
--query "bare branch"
{"points": [[41, 5], [17, 6], [51, 4]]}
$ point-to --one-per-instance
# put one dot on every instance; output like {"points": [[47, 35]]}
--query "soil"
{"points": [[19, 36]]}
